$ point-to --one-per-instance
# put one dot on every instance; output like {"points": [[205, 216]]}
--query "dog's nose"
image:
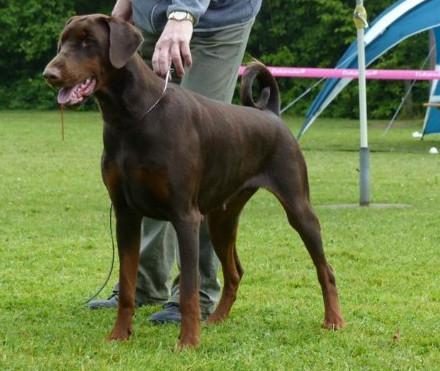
{"points": [[52, 74]]}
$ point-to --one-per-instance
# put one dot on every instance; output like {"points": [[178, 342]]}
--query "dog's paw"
{"points": [[214, 319], [119, 334], [187, 344], [334, 323]]}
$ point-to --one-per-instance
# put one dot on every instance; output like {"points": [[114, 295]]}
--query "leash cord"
{"points": [[167, 78], [113, 259]]}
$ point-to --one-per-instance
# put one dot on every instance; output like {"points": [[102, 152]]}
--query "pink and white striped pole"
{"points": [[341, 73]]}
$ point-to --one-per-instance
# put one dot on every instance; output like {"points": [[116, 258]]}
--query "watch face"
{"points": [[179, 15]]}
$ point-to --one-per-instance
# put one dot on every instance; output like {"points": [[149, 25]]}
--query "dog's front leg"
{"points": [[187, 230], [128, 236]]}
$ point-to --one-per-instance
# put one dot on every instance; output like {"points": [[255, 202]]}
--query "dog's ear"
{"points": [[125, 39]]}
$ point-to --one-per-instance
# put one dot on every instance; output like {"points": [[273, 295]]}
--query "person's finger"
{"points": [[186, 54], [155, 60], [176, 58], [161, 59], [164, 61]]}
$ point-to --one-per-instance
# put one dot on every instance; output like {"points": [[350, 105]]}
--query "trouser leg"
{"points": [[158, 253]]}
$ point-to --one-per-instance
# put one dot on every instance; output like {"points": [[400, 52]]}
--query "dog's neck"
{"points": [[129, 93]]}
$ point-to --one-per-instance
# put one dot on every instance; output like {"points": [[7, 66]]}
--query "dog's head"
{"points": [[89, 49]]}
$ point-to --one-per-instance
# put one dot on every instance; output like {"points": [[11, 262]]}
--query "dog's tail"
{"points": [[269, 95]]}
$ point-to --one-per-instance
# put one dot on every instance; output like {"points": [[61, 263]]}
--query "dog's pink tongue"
{"points": [[65, 95], [77, 93]]}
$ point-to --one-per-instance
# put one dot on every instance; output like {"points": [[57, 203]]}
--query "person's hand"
{"points": [[122, 9], [173, 47]]}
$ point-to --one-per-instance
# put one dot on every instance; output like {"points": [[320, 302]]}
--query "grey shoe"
{"points": [[170, 314], [110, 302]]}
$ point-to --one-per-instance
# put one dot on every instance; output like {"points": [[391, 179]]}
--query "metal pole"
{"points": [[360, 20]]}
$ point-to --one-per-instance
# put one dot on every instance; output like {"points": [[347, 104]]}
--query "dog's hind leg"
{"points": [[289, 184], [223, 225]]}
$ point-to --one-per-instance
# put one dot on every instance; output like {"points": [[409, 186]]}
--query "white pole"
{"points": [[360, 20]]}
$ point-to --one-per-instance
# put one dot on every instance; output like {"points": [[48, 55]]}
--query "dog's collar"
{"points": [[167, 78]]}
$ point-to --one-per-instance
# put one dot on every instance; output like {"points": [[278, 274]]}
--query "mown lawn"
{"points": [[55, 251]]}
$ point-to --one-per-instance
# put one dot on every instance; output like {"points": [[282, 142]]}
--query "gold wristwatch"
{"points": [[181, 16]]}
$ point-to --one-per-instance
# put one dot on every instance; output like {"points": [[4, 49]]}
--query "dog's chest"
{"points": [[142, 185]]}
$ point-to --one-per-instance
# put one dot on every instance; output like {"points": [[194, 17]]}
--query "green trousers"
{"points": [[216, 58]]}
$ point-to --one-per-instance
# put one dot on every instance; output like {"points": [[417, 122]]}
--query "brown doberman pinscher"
{"points": [[178, 156]]}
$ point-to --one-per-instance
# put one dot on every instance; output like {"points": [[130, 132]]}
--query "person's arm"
{"points": [[173, 44], [123, 10]]}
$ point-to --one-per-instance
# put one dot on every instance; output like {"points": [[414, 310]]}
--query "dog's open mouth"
{"points": [[76, 94]]}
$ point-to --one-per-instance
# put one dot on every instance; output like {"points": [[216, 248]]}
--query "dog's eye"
{"points": [[87, 42]]}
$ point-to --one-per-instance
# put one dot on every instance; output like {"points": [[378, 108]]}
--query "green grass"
{"points": [[55, 251]]}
